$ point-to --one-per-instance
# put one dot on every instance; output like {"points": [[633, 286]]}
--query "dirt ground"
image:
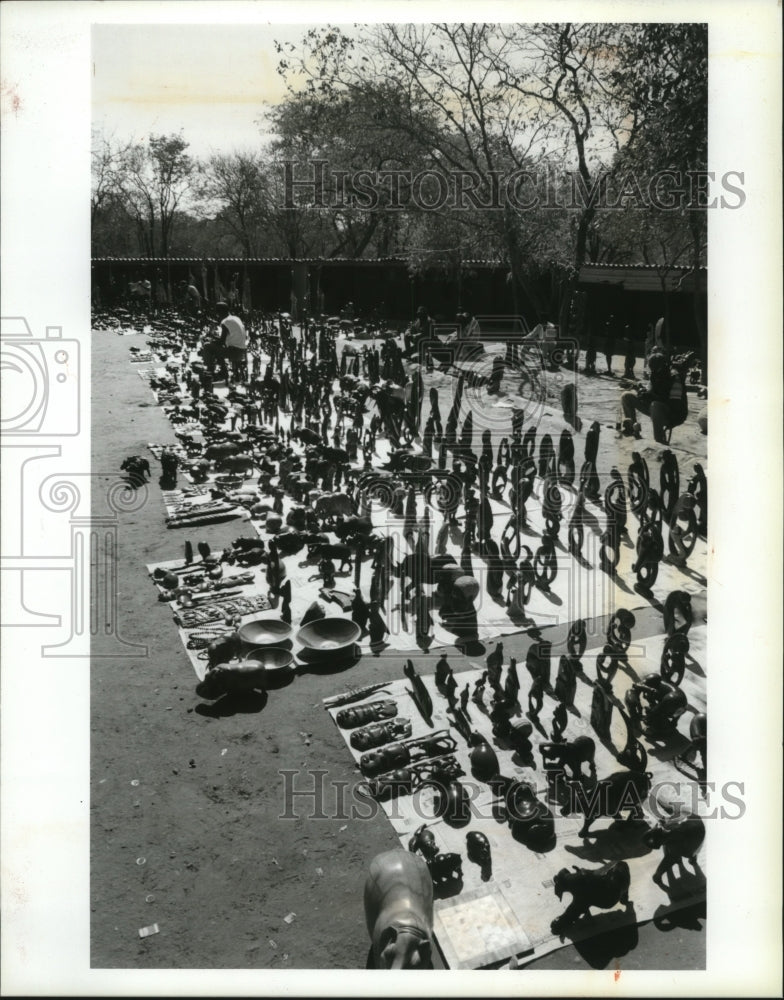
{"points": [[187, 797]]}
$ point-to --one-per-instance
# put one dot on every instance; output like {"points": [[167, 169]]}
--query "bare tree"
{"points": [[154, 178]]}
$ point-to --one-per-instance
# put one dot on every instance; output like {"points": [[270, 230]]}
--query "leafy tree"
{"points": [[662, 72], [483, 100]]}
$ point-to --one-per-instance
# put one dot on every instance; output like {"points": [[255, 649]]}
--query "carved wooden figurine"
{"points": [[604, 887]]}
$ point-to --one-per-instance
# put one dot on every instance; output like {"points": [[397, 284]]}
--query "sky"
{"points": [[211, 81]]}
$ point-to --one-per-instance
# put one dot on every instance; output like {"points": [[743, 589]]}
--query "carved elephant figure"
{"points": [[604, 887], [573, 755], [618, 792], [679, 838], [338, 551], [334, 504], [398, 902]]}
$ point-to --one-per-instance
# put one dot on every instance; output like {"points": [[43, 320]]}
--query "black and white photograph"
{"points": [[363, 608]]}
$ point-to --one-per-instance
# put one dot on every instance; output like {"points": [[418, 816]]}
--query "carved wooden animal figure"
{"points": [[679, 838], [604, 887], [342, 553], [347, 527], [572, 755], [138, 468], [609, 798], [235, 463], [222, 450], [333, 504], [232, 678], [398, 902]]}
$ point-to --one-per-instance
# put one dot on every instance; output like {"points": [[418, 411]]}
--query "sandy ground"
{"points": [[187, 798]]}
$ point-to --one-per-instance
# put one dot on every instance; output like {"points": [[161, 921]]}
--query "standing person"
{"points": [[419, 332], [234, 341], [192, 297], [609, 342], [161, 295]]}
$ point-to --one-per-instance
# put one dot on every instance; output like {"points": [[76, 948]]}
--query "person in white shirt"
{"points": [[234, 341]]}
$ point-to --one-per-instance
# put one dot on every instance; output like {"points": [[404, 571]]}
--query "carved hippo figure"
{"points": [[572, 755], [398, 902], [222, 650], [236, 463], [244, 544], [222, 450], [604, 887], [290, 542], [231, 678], [333, 504], [680, 838]]}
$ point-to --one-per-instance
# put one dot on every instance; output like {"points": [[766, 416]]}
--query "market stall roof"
{"points": [[631, 277], [644, 277]]}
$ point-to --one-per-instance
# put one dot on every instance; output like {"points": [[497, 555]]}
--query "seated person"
{"points": [[654, 399], [420, 330], [234, 343]]}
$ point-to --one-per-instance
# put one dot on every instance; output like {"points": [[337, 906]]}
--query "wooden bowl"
{"points": [[328, 634], [264, 632], [271, 658]]}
